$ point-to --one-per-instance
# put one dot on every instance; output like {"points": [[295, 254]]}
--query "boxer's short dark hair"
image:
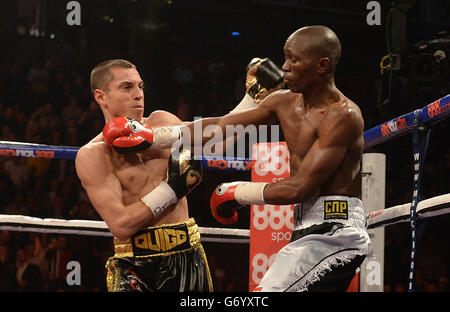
{"points": [[101, 74]]}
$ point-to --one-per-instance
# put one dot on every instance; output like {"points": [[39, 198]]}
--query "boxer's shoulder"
{"points": [[344, 110], [92, 154], [280, 99], [284, 95], [96, 145], [344, 117], [344, 106]]}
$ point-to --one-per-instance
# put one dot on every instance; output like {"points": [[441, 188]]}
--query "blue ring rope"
{"points": [[428, 115], [8, 148]]}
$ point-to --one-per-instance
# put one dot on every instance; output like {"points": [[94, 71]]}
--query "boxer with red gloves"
{"points": [[229, 197], [127, 135], [324, 133], [139, 192]]}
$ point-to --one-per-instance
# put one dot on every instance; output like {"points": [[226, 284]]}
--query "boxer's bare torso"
{"points": [[304, 129], [322, 127], [129, 177], [325, 143]]}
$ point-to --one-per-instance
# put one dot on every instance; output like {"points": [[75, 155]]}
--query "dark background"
{"points": [[192, 65]]}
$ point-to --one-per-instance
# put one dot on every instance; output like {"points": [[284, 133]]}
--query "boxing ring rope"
{"points": [[99, 228], [432, 207], [427, 116], [418, 122], [428, 208], [9, 148]]}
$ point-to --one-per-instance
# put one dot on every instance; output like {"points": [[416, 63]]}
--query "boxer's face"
{"points": [[125, 93], [300, 66]]}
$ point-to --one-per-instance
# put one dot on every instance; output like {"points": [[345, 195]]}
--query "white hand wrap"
{"points": [[250, 193], [160, 198], [166, 137], [246, 103]]}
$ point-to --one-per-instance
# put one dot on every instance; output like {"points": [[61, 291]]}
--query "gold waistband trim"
{"points": [[159, 240]]}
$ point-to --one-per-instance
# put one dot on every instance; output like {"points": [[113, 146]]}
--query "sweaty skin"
{"points": [[322, 127], [115, 182]]}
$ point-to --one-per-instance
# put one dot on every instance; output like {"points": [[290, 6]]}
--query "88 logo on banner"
{"points": [[271, 225], [261, 264], [274, 216], [273, 159]]}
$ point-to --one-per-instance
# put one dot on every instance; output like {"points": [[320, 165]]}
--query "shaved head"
{"points": [[320, 41]]}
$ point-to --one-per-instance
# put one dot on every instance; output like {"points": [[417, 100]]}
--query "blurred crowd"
{"points": [[45, 98]]}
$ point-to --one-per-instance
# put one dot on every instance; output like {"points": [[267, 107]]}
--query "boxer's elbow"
{"points": [[121, 229], [287, 193], [119, 232], [299, 192], [301, 195], [298, 195], [123, 234], [303, 192], [128, 220]]}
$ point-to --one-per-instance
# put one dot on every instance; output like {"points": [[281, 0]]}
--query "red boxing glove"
{"points": [[229, 197], [223, 203], [127, 135]]}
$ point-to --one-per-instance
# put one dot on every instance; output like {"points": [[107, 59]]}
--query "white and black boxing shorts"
{"points": [[328, 244]]}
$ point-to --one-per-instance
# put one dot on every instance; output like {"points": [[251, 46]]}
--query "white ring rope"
{"points": [[427, 208], [99, 228], [431, 207]]}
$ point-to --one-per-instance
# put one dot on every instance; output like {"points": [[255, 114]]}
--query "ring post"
{"points": [[373, 188]]}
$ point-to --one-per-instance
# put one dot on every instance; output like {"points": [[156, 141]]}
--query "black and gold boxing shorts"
{"points": [[164, 258]]}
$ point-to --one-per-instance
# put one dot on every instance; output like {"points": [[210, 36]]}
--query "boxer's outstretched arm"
{"points": [[105, 192], [263, 114], [336, 132]]}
